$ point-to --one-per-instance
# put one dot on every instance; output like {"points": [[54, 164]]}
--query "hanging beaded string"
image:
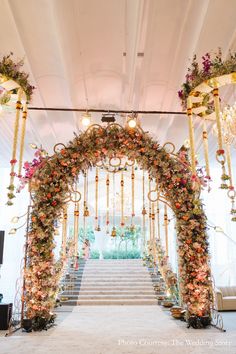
{"points": [[14, 148], [144, 213], [166, 229], [107, 211], [132, 188], [122, 222], [76, 223], [96, 199], [22, 140]]}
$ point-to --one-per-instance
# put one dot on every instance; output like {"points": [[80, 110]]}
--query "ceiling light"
{"points": [[33, 146], [132, 122], [12, 231], [15, 219], [187, 144], [86, 119]]}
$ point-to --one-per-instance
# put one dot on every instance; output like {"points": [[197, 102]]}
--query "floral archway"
{"points": [[56, 173]]}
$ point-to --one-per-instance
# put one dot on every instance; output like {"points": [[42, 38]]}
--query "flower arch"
{"points": [[56, 173]]}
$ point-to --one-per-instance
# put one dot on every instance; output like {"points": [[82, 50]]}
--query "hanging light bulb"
{"points": [[12, 231], [187, 144], [56, 232], [132, 122], [1, 109], [33, 146], [15, 219], [86, 119]]}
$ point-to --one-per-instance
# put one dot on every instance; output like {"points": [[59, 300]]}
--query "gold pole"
{"points": [[205, 145], [191, 134], [166, 229], [64, 232], [22, 140]]}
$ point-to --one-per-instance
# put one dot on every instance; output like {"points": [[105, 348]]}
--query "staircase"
{"points": [[109, 282]]}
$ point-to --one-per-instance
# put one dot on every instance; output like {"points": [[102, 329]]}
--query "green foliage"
{"points": [[116, 254]]}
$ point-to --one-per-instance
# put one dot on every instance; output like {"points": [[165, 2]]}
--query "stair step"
{"points": [[108, 292]]}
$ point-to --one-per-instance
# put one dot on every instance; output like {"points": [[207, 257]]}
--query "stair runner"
{"points": [[110, 282]]}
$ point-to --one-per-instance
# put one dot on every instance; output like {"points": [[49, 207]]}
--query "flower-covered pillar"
{"points": [[175, 181]]}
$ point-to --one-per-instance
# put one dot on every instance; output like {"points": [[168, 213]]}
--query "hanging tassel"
{"points": [[153, 242], [22, 140], [76, 226], [158, 223], [191, 135], [144, 213], [220, 153], [132, 188], [96, 200], [113, 232], [64, 232], [107, 211], [122, 223], [206, 150], [166, 229], [14, 148]]}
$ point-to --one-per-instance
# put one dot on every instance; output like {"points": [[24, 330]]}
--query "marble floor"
{"points": [[121, 329]]}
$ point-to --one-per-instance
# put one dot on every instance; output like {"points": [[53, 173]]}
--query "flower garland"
{"points": [[175, 180], [9, 70], [211, 67]]}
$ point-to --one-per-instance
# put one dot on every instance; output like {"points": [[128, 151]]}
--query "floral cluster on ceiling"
{"points": [[56, 173], [212, 66], [10, 70]]}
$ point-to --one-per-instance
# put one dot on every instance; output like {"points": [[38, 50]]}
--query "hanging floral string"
{"points": [[64, 232], [13, 161], [206, 149], [166, 229], [153, 241], [144, 213], [96, 199], [132, 189], [108, 204], [22, 140], [76, 224], [122, 222], [113, 232]]}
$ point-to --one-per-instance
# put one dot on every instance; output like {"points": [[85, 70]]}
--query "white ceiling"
{"points": [[74, 52]]}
